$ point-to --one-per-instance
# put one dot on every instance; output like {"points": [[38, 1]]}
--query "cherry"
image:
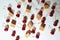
{"points": [[37, 35], [51, 13], [55, 22], [9, 8], [53, 7], [17, 38], [33, 31], [6, 28], [42, 1], [13, 33], [32, 17], [18, 6], [52, 31], [40, 12], [24, 27], [7, 20], [43, 20], [24, 21], [17, 15], [29, 1]]}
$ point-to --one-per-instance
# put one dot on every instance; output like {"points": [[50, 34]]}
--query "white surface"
{"points": [[45, 35]]}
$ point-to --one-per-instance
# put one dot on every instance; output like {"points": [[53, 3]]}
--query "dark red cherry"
{"points": [[53, 31], [37, 35], [43, 20], [7, 20], [53, 7], [6, 28], [51, 13], [13, 33], [55, 22], [18, 6], [9, 8], [24, 27], [29, 1], [32, 17], [17, 38], [17, 15], [42, 1], [40, 12], [24, 21], [33, 31]]}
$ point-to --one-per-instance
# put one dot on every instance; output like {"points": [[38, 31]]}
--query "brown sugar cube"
{"points": [[38, 17], [42, 27], [28, 8], [47, 5], [13, 23], [25, 17], [27, 33], [11, 13], [40, 14], [30, 24], [59, 28], [23, 0]]}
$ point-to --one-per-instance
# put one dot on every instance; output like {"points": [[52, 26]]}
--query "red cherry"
{"points": [[40, 13], [5, 29], [53, 7], [33, 31], [9, 8], [13, 33], [43, 20], [17, 15], [51, 13], [24, 27], [29, 1], [52, 31], [42, 1], [32, 17], [55, 22], [24, 21], [37, 35], [17, 38], [18, 6], [7, 20]]}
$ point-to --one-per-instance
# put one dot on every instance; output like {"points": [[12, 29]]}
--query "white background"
{"points": [[45, 35]]}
